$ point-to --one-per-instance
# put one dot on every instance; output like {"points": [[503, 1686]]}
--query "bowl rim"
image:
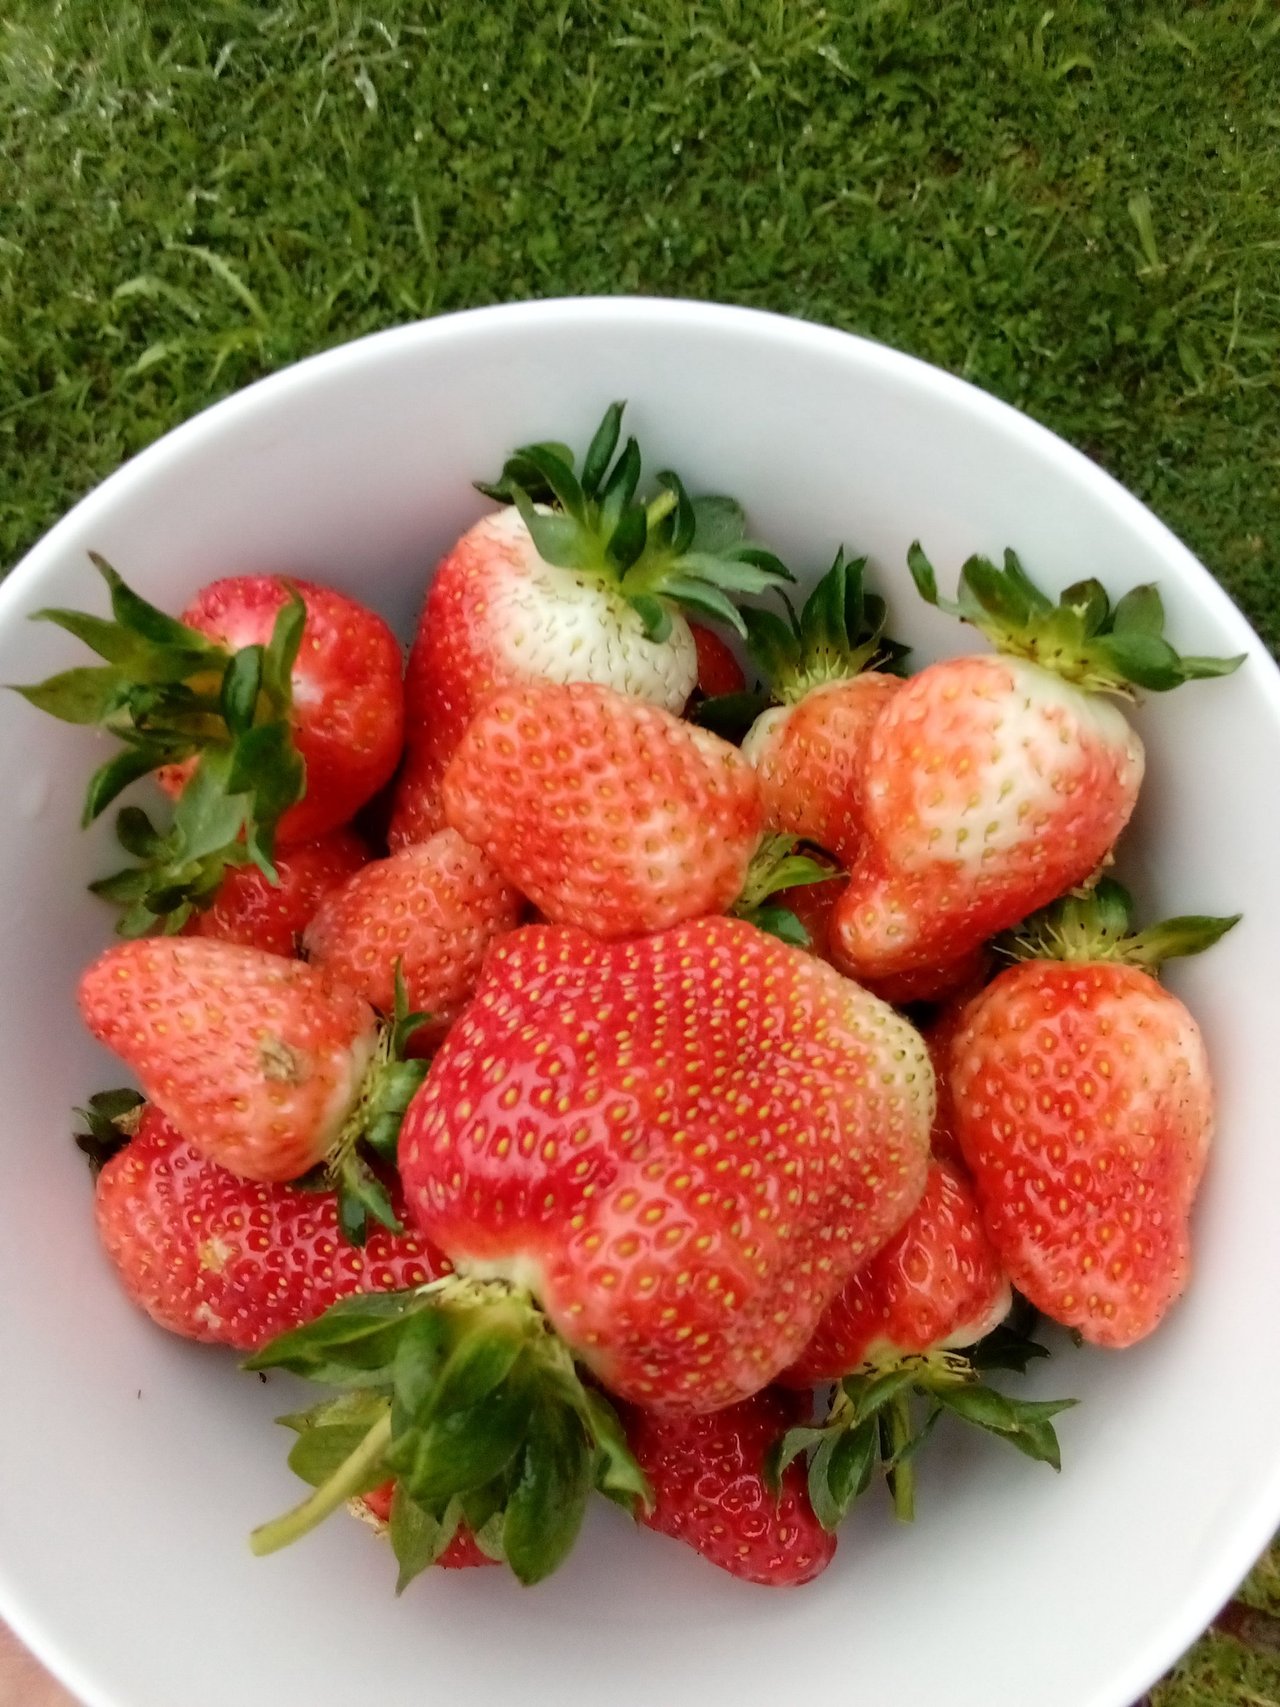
{"points": [[1246, 1538]]}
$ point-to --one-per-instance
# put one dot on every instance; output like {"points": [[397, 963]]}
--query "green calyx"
{"points": [[882, 1415], [775, 866], [838, 634], [110, 1121], [668, 551], [461, 1392], [1084, 638], [168, 694], [1096, 924], [366, 1147]]}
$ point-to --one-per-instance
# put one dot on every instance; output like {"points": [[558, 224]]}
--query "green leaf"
{"points": [[684, 518], [456, 1451], [1140, 611], [84, 696], [718, 524], [653, 614], [558, 539], [241, 685], [1024, 1423], [778, 922], [362, 1197], [482, 1358], [850, 1465], [922, 573], [1089, 602], [616, 1474], [704, 600], [112, 778], [352, 1344], [557, 474], [1005, 1348], [324, 1448], [138, 615], [1147, 660], [549, 1501], [730, 715], [627, 540], [110, 1120], [416, 1535], [600, 451], [619, 487]]}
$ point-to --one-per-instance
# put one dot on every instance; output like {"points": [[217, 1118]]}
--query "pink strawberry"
{"points": [[248, 908], [347, 698], [431, 910], [257, 1060], [993, 784], [672, 1152], [606, 812], [585, 584], [215, 1257], [274, 710], [707, 1475], [719, 671], [808, 749], [1083, 1105]]}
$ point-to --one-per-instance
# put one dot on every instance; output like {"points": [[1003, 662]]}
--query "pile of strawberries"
{"points": [[600, 1105]]}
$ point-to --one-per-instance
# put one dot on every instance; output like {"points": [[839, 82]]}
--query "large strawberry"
{"points": [[707, 1473], [276, 706], [660, 1157], [578, 580], [889, 1337], [231, 1261], [267, 1066], [430, 910], [606, 812], [249, 908], [1083, 1105], [822, 668], [993, 784]]}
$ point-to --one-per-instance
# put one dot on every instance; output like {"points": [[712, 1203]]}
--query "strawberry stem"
{"points": [[346, 1481], [899, 1432]]}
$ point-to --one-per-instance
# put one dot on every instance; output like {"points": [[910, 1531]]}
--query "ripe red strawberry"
{"points": [[937, 1283], [887, 1339], [276, 708], [606, 812], [590, 590], [991, 785], [462, 1552], [1084, 1108], [808, 749], [707, 1475], [257, 1060], [719, 671], [671, 1151], [347, 701], [231, 1261], [248, 908], [432, 910]]}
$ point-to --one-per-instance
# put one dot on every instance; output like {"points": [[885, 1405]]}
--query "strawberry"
{"points": [[257, 1060], [661, 1157], [937, 1283], [887, 1339], [991, 785], [707, 1475], [1084, 1108], [431, 910], [719, 671], [606, 812], [276, 708], [812, 905], [459, 1553], [230, 1261], [248, 908], [346, 694], [822, 667], [577, 581]]}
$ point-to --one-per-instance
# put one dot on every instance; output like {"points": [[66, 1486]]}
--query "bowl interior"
{"points": [[133, 1466]]}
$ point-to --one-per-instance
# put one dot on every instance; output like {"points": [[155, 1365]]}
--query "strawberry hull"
{"points": [[682, 1146]]}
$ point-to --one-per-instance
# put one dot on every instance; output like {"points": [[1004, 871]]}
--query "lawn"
{"points": [[1073, 206]]}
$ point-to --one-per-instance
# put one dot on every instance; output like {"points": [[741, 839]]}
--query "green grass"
{"points": [[1073, 206]]}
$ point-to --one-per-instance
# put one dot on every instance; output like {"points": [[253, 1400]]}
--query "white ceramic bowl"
{"points": [[132, 1465]]}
